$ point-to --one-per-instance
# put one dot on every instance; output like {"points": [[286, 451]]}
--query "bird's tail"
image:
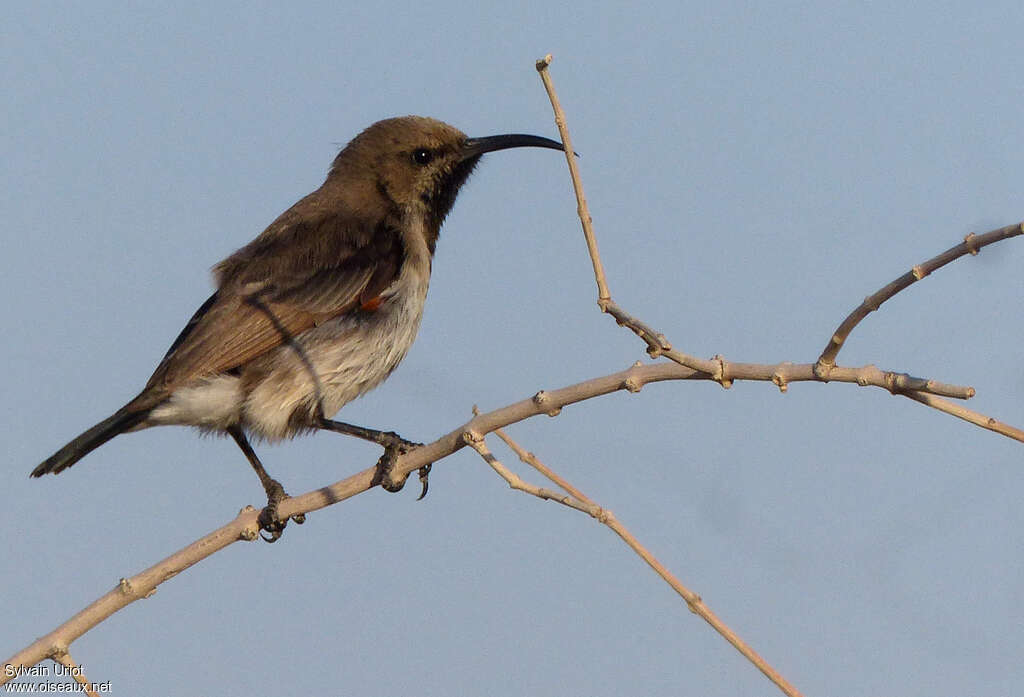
{"points": [[123, 420]]}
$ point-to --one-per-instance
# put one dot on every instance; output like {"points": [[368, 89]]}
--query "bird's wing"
{"points": [[299, 273]]}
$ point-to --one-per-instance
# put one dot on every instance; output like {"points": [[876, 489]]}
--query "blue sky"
{"points": [[753, 172]]}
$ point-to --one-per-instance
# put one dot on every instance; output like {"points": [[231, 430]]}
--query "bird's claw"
{"points": [[269, 521], [395, 447], [425, 479]]}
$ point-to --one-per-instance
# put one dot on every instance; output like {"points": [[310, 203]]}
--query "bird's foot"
{"points": [[394, 447], [269, 520]]}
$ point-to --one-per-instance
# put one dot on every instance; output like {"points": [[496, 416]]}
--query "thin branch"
{"points": [[581, 200], [986, 422], [128, 590], [725, 372], [581, 503], [476, 441], [65, 660], [971, 244], [657, 345], [531, 459]]}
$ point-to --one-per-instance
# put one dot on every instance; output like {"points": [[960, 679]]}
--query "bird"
{"points": [[318, 309]]}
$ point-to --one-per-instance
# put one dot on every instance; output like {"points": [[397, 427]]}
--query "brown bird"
{"points": [[317, 310]]}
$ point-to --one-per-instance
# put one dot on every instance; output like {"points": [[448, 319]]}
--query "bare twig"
{"points": [[581, 200], [657, 345], [65, 660], [532, 461], [971, 244], [582, 503], [986, 422], [476, 441]]}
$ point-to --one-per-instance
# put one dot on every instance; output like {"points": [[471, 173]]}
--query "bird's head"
{"points": [[418, 164]]}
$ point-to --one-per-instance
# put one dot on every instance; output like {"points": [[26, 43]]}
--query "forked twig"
{"points": [[577, 500], [824, 369], [657, 345], [971, 245]]}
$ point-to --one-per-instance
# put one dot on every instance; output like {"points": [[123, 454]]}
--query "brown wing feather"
{"points": [[300, 272]]}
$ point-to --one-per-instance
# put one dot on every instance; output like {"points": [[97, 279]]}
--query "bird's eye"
{"points": [[422, 156]]}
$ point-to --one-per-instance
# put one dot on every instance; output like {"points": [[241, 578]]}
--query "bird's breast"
{"points": [[335, 362]]}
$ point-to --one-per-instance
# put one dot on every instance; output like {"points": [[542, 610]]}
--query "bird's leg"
{"points": [[389, 439], [394, 446], [269, 520]]}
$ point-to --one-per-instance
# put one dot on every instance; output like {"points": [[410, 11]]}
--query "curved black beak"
{"points": [[474, 147]]}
